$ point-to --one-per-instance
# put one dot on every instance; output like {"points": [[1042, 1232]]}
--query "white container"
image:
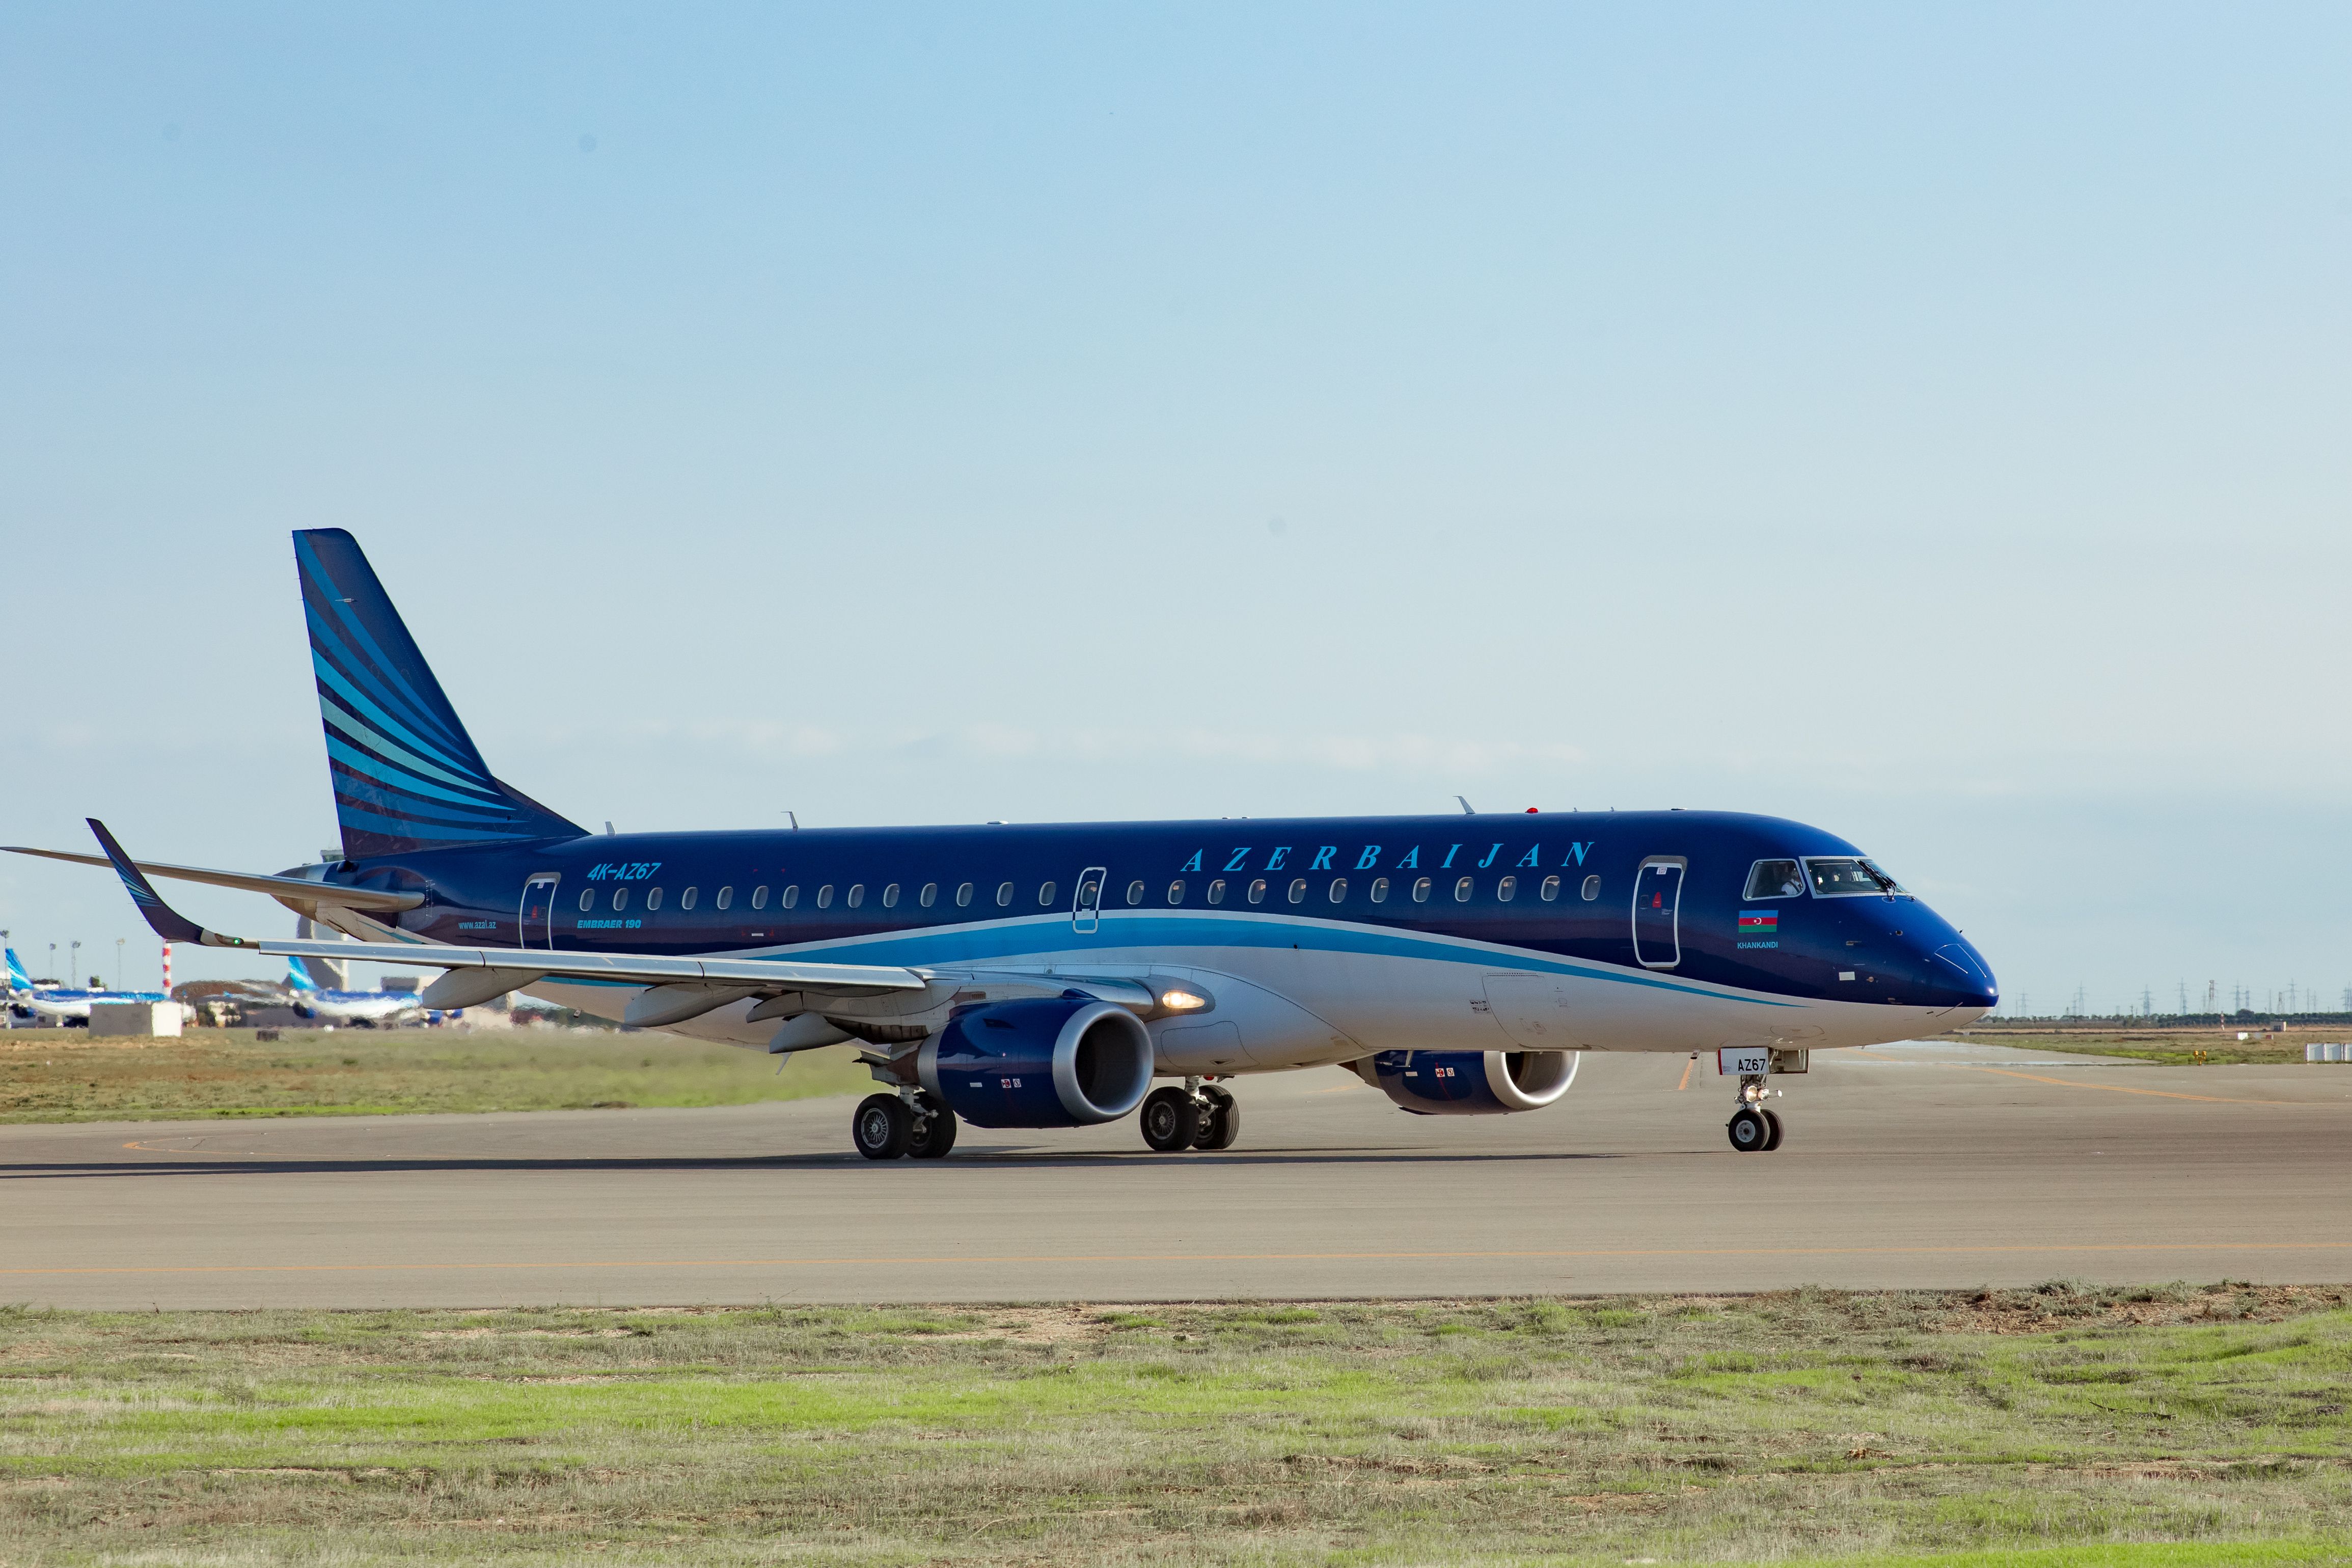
{"points": [[2314, 1052], [136, 1018], [2333, 1052]]}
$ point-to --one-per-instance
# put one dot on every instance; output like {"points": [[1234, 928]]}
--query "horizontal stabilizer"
{"points": [[746, 976], [286, 887]]}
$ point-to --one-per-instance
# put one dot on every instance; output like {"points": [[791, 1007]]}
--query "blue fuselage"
{"points": [[1307, 908]]}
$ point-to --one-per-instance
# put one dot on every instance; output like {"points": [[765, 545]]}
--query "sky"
{"points": [[1926, 423]]}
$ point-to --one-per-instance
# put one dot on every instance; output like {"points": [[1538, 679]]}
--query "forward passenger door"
{"points": [[1657, 908]]}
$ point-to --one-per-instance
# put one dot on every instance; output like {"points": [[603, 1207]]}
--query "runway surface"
{"points": [[1911, 1166]]}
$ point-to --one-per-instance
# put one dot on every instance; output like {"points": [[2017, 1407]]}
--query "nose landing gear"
{"points": [[1753, 1129]]}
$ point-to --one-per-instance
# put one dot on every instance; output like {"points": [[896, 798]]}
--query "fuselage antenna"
{"points": [[1467, 810]]}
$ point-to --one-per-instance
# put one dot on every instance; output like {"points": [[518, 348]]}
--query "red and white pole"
{"points": [[167, 969]]}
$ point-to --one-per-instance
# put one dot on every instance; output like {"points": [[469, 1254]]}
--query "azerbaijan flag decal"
{"points": [[1759, 928]]}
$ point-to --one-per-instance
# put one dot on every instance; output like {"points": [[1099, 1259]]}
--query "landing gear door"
{"points": [[535, 920], [1657, 905], [1087, 912]]}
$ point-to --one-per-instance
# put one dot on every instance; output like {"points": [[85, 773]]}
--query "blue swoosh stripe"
{"points": [[356, 634], [329, 676], [350, 811], [375, 767], [382, 753], [399, 707], [369, 793], [1006, 939], [363, 734]]}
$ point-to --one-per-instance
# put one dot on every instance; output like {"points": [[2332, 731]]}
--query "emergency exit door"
{"points": [[1086, 911], [535, 920], [1657, 909]]}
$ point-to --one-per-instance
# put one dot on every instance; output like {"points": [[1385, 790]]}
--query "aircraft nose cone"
{"points": [[1960, 967]]}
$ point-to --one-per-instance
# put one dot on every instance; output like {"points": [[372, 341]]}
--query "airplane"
{"points": [[1064, 974], [61, 1007], [335, 1005]]}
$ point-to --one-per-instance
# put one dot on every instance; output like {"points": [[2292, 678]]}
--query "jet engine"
{"points": [[1470, 1082], [1057, 1061]]}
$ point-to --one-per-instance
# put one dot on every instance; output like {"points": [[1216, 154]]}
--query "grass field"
{"points": [[2057, 1426], [2168, 1047], [64, 1075]]}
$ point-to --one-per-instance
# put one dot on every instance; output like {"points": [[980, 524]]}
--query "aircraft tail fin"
{"points": [[406, 775], [17, 980], [298, 975]]}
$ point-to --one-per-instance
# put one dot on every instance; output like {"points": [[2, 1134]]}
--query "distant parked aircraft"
{"points": [[61, 1007], [325, 1004]]}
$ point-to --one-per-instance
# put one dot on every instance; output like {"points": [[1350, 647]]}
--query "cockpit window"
{"points": [[1775, 879], [1848, 877]]}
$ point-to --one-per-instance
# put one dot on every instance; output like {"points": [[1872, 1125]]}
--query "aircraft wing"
{"points": [[293, 887], [506, 968]]}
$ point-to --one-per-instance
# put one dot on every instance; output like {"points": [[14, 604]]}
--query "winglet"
{"points": [[168, 922]]}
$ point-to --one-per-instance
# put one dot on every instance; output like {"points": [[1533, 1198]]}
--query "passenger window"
{"points": [[1044, 895], [1004, 895], [1461, 891], [1257, 890], [1176, 890], [792, 898], [1550, 888], [653, 899], [620, 899], [760, 897], [1420, 889], [686, 899], [1380, 890], [1774, 879], [1506, 890], [856, 895], [929, 895], [824, 897], [890, 896], [587, 899], [1217, 891], [1135, 891], [726, 897], [1298, 891], [1591, 888], [1338, 888], [963, 895]]}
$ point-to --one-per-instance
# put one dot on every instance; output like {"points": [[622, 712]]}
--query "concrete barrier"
{"points": [[136, 1018]]}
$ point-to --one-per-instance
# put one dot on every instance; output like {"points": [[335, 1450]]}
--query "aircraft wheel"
{"points": [[935, 1134], [1172, 1119], [1749, 1134], [1222, 1124], [1772, 1119], [883, 1127]]}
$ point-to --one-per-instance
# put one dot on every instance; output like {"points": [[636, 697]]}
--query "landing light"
{"points": [[1181, 1001]]}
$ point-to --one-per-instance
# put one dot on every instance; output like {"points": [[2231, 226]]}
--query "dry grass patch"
{"points": [[1810, 1423]]}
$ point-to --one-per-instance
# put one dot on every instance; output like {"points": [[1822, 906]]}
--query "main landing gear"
{"points": [[1754, 1130], [888, 1125], [1197, 1116]]}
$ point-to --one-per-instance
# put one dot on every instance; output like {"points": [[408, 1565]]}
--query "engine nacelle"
{"points": [[1058, 1061], [1471, 1082]]}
